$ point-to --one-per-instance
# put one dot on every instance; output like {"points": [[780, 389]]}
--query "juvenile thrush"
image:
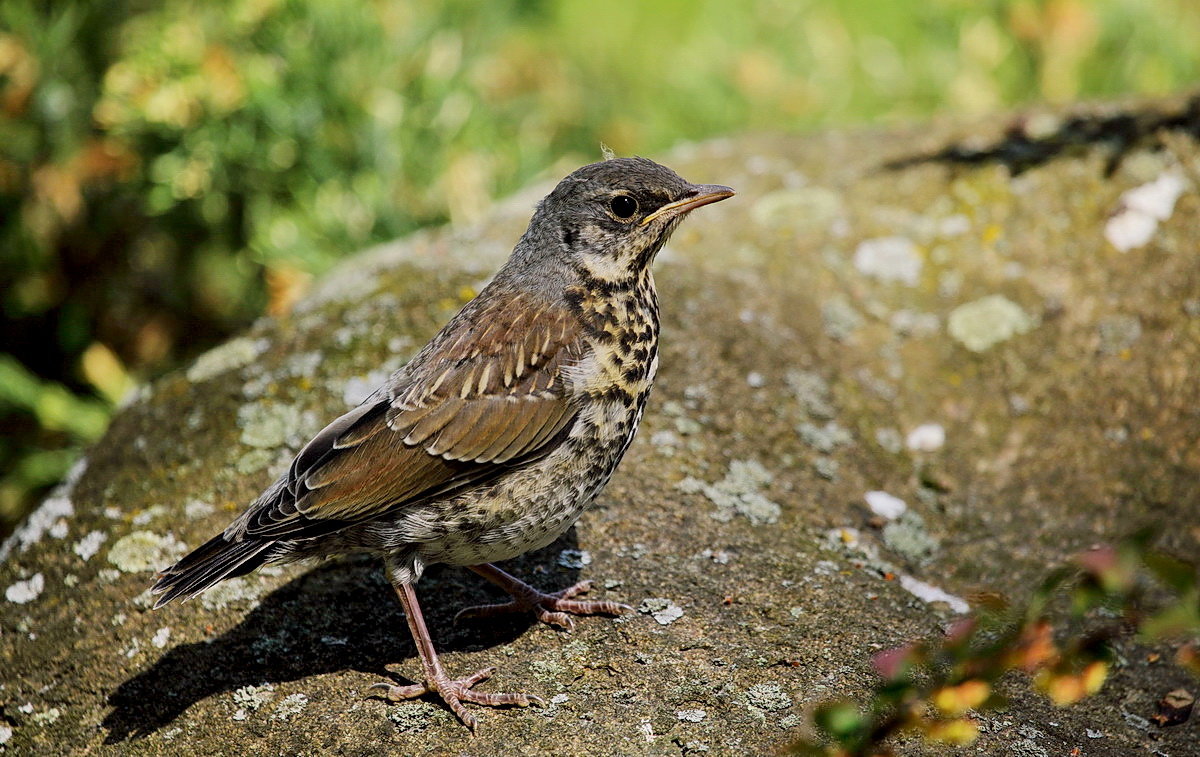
{"points": [[495, 437]]}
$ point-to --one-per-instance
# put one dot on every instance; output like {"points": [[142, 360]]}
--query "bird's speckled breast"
{"points": [[531, 506]]}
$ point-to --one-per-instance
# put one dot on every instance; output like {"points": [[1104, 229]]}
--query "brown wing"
{"points": [[487, 391]]}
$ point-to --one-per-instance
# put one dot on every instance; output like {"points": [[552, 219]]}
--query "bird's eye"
{"points": [[623, 206]]}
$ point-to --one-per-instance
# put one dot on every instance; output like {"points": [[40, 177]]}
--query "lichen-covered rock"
{"points": [[812, 355]]}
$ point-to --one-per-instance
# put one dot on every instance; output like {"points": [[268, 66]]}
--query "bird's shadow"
{"points": [[1118, 132], [341, 615]]}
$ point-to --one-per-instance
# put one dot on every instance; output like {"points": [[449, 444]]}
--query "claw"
{"points": [[550, 609], [452, 691], [394, 693], [456, 691]]}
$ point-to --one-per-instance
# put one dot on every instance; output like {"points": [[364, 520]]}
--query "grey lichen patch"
{"points": [[683, 424], [889, 439], [826, 468], [56, 507], [161, 638], [986, 322], [665, 441], [576, 651], [812, 392], [47, 717], [807, 207], [301, 369], [1142, 209], [415, 716], [664, 611], [290, 706], [548, 672], [769, 697], [554, 706], [253, 698], [889, 259], [913, 323], [824, 439], [253, 461], [358, 388], [196, 508], [840, 319], [267, 425], [24, 592], [927, 437], [239, 592], [89, 545], [574, 559], [144, 601], [738, 493], [908, 537], [144, 516], [233, 354], [303, 364], [145, 550], [1118, 333]]}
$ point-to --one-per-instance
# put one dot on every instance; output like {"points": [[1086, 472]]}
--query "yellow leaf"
{"points": [[103, 369], [956, 700], [1093, 677], [958, 732]]}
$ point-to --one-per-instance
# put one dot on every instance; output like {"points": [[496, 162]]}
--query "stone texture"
{"points": [[1054, 440]]}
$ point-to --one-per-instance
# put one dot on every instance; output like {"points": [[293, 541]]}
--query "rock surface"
{"points": [[947, 314]]}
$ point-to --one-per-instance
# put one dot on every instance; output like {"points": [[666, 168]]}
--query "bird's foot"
{"points": [[454, 692], [551, 609]]}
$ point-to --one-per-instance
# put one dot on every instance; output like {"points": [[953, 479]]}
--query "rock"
{"points": [[1104, 440]]}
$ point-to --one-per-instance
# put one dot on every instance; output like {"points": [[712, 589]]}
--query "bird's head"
{"points": [[609, 219]]}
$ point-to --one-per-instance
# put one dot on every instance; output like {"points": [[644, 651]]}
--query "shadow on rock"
{"points": [[341, 615], [1022, 148]]}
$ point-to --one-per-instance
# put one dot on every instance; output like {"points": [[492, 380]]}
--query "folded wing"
{"points": [[486, 393]]}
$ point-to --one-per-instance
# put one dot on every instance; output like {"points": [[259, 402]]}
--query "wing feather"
{"points": [[487, 392]]}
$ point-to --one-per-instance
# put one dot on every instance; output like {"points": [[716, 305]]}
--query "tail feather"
{"points": [[208, 565]]}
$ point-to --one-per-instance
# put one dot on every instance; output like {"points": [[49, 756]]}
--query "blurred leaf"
{"points": [[954, 701], [104, 371], [1175, 573], [1180, 618], [840, 720], [55, 407], [958, 732]]}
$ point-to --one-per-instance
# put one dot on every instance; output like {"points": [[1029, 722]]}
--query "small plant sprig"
{"points": [[932, 687]]}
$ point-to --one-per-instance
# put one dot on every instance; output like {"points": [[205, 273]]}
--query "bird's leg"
{"points": [[549, 608], [453, 691]]}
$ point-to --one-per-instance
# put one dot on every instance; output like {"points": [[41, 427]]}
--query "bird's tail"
{"points": [[209, 564]]}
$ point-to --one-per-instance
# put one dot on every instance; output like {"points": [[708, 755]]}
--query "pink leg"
{"points": [[549, 608], [452, 691]]}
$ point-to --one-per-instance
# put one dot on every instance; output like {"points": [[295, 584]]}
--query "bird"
{"points": [[497, 435]]}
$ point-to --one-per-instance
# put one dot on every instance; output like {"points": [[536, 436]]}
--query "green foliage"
{"points": [[170, 169], [932, 687]]}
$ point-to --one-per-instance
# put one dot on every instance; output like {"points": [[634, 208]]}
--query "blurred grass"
{"points": [[171, 169]]}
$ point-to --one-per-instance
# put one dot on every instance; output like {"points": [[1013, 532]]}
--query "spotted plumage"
{"points": [[499, 433]]}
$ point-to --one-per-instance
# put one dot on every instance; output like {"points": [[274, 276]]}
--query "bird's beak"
{"points": [[699, 194]]}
